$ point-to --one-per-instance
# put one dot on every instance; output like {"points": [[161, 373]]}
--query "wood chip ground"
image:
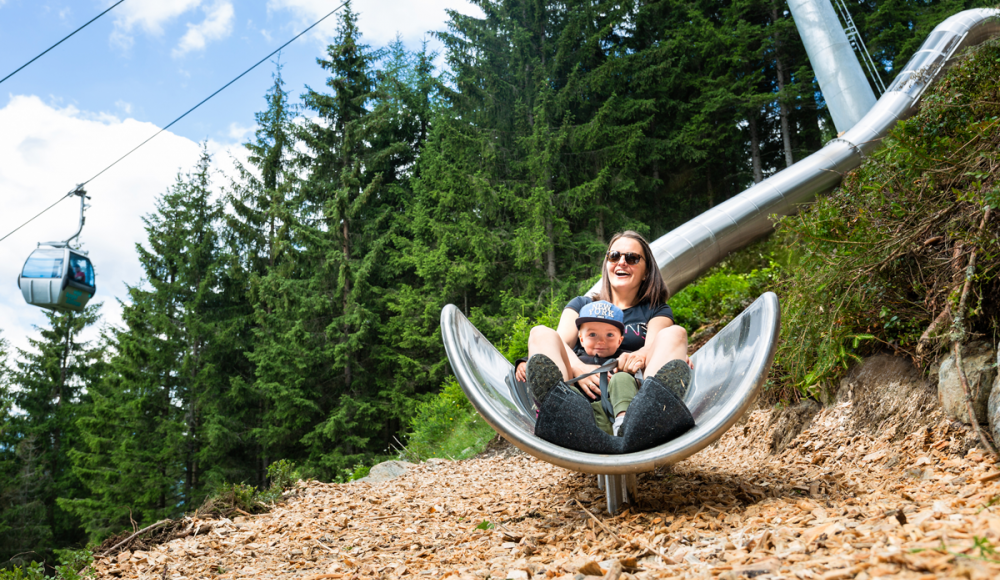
{"points": [[834, 504]]}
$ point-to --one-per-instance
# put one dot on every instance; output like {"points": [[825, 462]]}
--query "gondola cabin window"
{"points": [[44, 263], [80, 270]]}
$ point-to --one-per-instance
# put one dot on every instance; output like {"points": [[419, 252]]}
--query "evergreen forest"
{"points": [[294, 316]]}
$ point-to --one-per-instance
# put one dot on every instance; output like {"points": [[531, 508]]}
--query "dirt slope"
{"points": [[837, 502]]}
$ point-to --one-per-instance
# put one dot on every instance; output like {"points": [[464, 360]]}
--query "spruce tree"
{"points": [[49, 390], [330, 400], [156, 439], [257, 236]]}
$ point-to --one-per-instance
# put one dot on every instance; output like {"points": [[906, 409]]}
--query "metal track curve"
{"points": [[731, 367]]}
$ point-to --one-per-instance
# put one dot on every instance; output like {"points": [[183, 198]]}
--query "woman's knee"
{"points": [[542, 335], [672, 335]]}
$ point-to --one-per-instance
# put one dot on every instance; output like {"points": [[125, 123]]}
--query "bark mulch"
{"points": [[835, 503]]}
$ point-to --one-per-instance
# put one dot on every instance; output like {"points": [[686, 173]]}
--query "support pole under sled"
{"points": [[618, 489]]}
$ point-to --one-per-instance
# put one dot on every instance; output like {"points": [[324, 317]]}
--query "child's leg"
{"points": [[600, 417], [622, 389]]}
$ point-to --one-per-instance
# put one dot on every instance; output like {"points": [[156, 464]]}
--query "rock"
{"points": [[993, 405], [387, 470], [980, 369]]}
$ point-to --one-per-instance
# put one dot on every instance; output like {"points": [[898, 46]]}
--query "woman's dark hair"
{"points": [[652, 289]]}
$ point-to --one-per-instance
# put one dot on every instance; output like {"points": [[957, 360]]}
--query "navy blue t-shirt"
{"points": [[635, 319]]}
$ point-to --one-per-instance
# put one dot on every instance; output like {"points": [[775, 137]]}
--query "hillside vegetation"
{"points": [[290, 311], [877, 265], [881, 264]]}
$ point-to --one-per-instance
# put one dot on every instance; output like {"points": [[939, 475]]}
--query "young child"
{"points": [[601, 330]]}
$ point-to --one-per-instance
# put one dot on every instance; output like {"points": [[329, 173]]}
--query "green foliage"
{"points": [[32, 571], [446, 425], [282, 474], [74, 565], [884, 255], [485, 525], [514, 345], [228, 498], [722, 293], [52, 381]]}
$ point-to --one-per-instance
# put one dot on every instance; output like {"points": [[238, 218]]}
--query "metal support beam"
{"points": [[841, 78]]}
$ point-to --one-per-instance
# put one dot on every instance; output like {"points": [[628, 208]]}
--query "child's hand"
{"points": [[521, 372], [591, 386]]}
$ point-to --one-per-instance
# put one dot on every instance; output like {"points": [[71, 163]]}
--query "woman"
{"points": [[631, 281]]}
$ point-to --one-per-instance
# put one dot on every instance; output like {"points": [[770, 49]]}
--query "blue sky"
{"points": [[152, 59], [116, 82]]}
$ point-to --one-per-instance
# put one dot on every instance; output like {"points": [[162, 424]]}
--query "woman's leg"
{"points": [[544, 340], [670, 343]]}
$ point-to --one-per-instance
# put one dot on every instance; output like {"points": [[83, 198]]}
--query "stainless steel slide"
{"points": [[730, 369]]}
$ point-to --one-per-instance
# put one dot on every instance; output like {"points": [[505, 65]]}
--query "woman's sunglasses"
{"points": [[631, 258]]}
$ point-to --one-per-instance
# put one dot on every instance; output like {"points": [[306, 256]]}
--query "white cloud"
{"points": [[379, 20], [237, 132], [149, 16], [218, 24], [47, 151], [124, 106]]}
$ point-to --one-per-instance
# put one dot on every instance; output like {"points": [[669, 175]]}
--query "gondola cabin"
{"points": [[58, 279]]}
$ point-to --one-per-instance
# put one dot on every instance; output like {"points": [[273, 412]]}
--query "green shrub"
{"points": [[885, 254], [231, 497], [447, 426], [32, 571], [282, 474], [74, 565], [729, 287]]}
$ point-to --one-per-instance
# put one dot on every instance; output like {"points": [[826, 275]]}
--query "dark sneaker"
{"points": [[543, 374], [676, 376], [567, 419], [657, 414]]}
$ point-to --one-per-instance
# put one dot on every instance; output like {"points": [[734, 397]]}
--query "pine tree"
{"points": [[156, 439], [50, 392], [257, 235], [330, 401]]}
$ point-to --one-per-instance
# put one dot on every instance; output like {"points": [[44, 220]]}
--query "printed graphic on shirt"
{"points": [[636, 329]]}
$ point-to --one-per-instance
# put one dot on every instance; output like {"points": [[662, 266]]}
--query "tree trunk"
{"points": [[758, 173], [347, 293], [550, 253], [786, 133]]}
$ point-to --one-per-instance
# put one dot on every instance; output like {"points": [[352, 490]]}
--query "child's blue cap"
{"points": [[602, 311]]}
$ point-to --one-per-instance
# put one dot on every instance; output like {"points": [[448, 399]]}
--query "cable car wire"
{"points": [[259, 62], [60, 42], [36, 216], [276, 51]]}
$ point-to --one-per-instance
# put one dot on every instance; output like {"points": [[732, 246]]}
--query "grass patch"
{"points": [[447, 426]]}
